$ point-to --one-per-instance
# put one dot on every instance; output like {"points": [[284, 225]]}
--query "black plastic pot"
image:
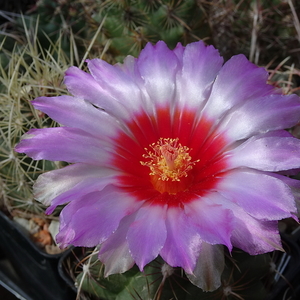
{"points": [[27, 271]]}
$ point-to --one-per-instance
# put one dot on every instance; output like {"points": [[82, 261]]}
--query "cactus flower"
{"points": [[172, 154]]}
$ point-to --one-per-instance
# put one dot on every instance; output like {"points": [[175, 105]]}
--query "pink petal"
{"points": [[213, 223], [82, 85], [201, 65], [261, 115], [294, 185], [253, 236], [64, 144], [117, 83], [209, 268], [267, 153], [114, 252], [130, 69], [147, 234], [78, 113], [249, 234], [157, 66], [53, 184], [178, 51], [90, 220], [182, 245], [238, 81], [262, 196]]}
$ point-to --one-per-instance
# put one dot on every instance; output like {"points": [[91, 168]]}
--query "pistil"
{"points": [[169, 162]]}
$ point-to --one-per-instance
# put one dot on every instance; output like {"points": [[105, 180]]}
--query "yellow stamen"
{"points": [[169, 160]]}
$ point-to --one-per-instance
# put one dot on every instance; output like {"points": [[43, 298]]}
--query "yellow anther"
{"points": [[169, 160]]}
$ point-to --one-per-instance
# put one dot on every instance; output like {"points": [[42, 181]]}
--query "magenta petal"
{"points": [[78, 113], [260, 115], [147, 234], [129, 67], [117, 83], [89, 221], [267, 153], [83, 85], [209, 267], [213, 223], [157, 66], [201, 65], [131, 71], [114, 252], [294, 185], [253, 236], [250, 234], [64, 144], [56, 184], [238, 81], [81, 189], [182, 246], [178, 51], [262, 196]]}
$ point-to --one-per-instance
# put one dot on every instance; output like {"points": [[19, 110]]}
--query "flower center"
{"points": [[169, 164]]}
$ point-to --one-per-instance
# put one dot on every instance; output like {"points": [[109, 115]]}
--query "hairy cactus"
{"points": [[26, 73]]}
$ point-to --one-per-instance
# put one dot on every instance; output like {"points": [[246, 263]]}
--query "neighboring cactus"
{"points": [[233, 27], [131, 24], [243, 278], [25, 73], [128, 26]]}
